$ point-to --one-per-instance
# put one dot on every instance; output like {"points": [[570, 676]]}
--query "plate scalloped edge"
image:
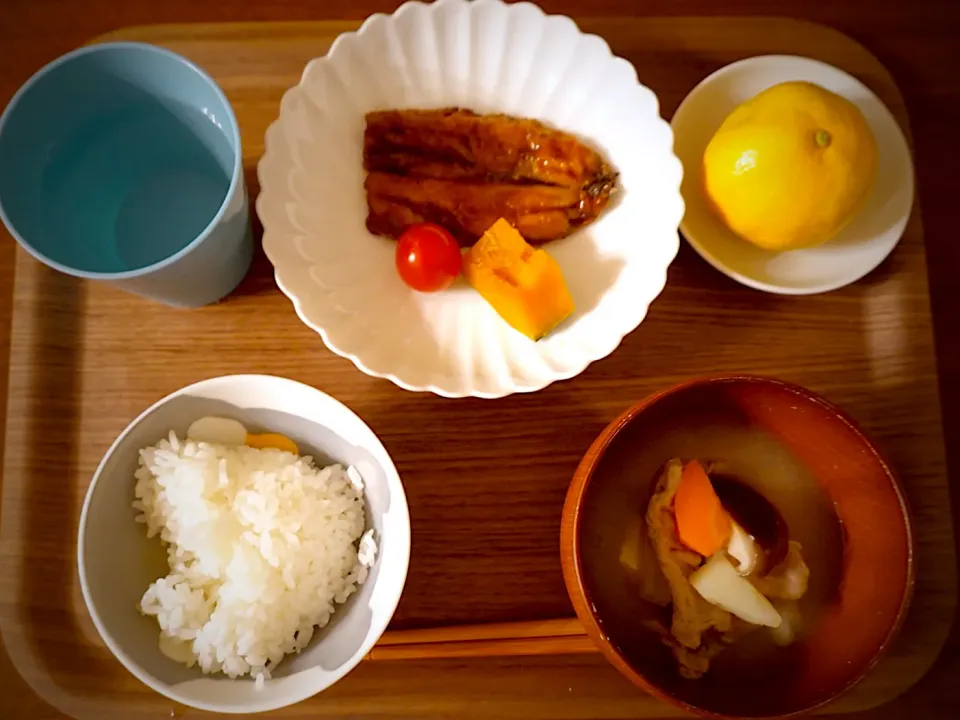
{"points": [[285, 237]]}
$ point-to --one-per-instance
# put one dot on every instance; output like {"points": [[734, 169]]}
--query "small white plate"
{"points": [[859, 248]]}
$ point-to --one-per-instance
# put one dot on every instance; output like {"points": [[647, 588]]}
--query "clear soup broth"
{"points": [[615, 507]]}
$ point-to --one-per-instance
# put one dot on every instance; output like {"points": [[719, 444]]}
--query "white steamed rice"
{"points": [[262, 546]]}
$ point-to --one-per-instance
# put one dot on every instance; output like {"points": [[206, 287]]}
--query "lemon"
{"points": [[790, 167]]}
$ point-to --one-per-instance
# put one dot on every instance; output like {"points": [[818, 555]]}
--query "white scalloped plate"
{"points": [[486, 56]]}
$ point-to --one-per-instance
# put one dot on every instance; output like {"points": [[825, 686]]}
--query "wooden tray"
{"points": [[485, 479]]}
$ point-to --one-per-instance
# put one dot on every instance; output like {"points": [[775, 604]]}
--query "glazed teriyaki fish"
{"points": [[463, 171]]}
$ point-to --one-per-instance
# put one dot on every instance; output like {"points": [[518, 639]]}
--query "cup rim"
{"points": [[233, 132], [571, 546]]}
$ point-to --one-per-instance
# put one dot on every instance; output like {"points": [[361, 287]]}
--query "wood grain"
{"points": [[518, 630], [498, 648], [485, 483], [560, 636]]}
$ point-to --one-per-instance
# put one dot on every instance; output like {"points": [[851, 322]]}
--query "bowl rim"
{"points": [[403, 514], [570, 546]]}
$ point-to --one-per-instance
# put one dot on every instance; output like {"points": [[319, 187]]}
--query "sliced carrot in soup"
{"points": [[702, 523]]}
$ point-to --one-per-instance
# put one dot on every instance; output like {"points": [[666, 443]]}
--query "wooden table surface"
{"points": [[915, 40]]}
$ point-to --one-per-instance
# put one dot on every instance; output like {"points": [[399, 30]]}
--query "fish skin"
{"points": [[463, 171], [540, 213]]}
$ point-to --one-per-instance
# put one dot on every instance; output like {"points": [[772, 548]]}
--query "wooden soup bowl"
{"points": [[837, 495]]}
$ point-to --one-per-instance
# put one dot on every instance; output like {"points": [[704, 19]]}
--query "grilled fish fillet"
{"points": [[540, 213], [462, 170]]}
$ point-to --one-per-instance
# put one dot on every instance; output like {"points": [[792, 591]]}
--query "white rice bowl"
{"points": [[262, 546], [117, 562]]}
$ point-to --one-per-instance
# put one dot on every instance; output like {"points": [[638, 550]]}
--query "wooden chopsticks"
{"points": [[532, 637]]}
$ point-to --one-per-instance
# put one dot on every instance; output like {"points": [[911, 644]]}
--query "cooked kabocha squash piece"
{"points": [[523, 284]]}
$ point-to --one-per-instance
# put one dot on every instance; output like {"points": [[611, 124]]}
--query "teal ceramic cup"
{"points": [[121, 162]]}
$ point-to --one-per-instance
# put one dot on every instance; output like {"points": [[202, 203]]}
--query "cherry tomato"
{"points": [[428, 258]]}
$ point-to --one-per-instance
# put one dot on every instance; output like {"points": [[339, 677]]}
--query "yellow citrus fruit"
{"points": [[790, 167]]}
